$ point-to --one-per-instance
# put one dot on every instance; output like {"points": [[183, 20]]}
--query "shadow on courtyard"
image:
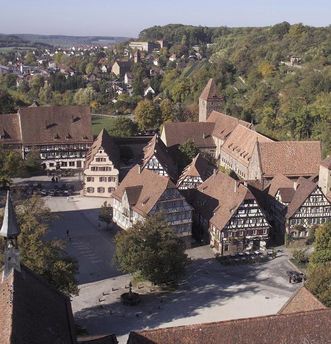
{"points": [[87, 240], [206, 284]]}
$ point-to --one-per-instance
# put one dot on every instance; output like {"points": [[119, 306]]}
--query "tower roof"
{"points": [[210, 91], [9, 227]]}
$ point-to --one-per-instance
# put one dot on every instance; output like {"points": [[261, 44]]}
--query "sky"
{"points": [[128, 17]]}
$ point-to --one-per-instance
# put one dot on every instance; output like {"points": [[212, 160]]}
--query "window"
{"points": [[100, 159], [64, 164], [112, 179], [51, 164], [71, 163], [101, 190], [90, 179], [102, 179], [111, 190], [226, 247], [90, 190]]}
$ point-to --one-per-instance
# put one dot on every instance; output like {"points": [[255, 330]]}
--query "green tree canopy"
{"points": [[322, 245], [45, 257], [152, 250], [123, 127], [147, 115], [105, 213], [188, 151]]}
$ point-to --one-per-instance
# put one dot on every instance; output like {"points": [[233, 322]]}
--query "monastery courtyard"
{"points": [[210, 291]]}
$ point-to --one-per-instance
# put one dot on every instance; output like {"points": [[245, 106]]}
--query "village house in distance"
{"points": [[61, 135]]}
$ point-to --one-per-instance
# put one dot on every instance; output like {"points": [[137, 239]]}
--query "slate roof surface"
{"points": [[294, 328], [32, 311], [290, 158]]}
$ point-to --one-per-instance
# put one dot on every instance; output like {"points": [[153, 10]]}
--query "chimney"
{"points": [[203, 135], [295, 185], [235, 186]]}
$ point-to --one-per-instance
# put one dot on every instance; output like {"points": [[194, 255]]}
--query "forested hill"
{"points": [[253, 71], [14, 41]]}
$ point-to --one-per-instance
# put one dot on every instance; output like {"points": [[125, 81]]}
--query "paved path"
{"points": [[91, 245], [210, 292]]}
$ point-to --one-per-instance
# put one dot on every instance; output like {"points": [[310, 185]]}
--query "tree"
{"points": [[146, 114], [7, 103], [322, 246], [105, 214], [188, 151], [45, 257], [319, 283], [123, 127], [167, 110], [89, 68], [152, 250], [319, 268]]}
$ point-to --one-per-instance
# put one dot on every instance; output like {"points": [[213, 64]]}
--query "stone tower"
{"points": [[10, 231], [209, 101], [324, 179]]}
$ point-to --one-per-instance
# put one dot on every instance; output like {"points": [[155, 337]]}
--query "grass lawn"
{"points": [[100, 122]]}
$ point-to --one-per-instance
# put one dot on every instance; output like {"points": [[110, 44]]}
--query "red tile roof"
{"points": [[294, 328], [241, 142], [199, 167], [327, 162], [32, 311], [143, 187], [225, 124], [301, 301], [157, 148], [10, 129], [290, 158], [56, 124], [278, 181], [177, 133], [105, 141], [210, 91]]}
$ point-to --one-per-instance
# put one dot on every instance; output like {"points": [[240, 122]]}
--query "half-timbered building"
{"points": [[308, 207], [144, 192], [232, 214], [195, 173], [158, 159], [61, 135]]}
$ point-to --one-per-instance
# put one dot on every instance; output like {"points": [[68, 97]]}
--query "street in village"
{"points": [[209, 292]]}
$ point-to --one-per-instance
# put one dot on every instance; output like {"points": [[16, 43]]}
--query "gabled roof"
{"points": [[177, 133], [210, 91], [327, 162], [32, 311], [105, 141], [294, 328], [277, 182], [225, 124], [304, 189], [10, 132], [241, 142], [144, 188], [219, 197], [157, 148], [290, 158], [9, 228], [56, 124], [301, 301], [286, 194], [199, 167]]}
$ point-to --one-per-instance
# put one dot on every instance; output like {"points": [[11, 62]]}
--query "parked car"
{"points": [[295, 276]]}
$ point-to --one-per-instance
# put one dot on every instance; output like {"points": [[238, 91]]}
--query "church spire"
{"points": [[10, 232]]}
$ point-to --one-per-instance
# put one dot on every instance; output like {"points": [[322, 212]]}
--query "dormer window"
{"points": [[57, 136], [75, 119], [68, 137]]}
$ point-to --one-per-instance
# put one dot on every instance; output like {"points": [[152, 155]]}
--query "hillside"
{"points": [[255, 75], [69, 41], [17, 42]]}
